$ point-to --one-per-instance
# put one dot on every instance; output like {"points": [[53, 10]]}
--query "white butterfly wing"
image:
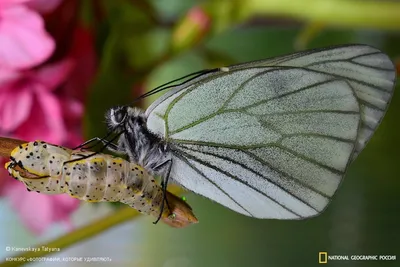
{"points": [[273, 138], [370, 73]]}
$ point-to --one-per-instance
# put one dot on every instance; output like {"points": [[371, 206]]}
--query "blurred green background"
{"points": [[364, 217], [142, 44]]}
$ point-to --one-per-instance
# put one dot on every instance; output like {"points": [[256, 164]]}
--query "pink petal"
{"points": [[53, 75], [7, 3], [44, 6], [7, 75], [38, 211], [45, 121], [33, 208], [199, 16], [24, 41], [54, 119], [73, 112], [14, 2], [15, 107]]}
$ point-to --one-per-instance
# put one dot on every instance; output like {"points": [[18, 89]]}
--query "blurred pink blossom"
{"points": [[29, 108], [191, 29], [23, 38], [39, 211], [7, 74], [199, 17], [7, 3], [44, 6], [46, 102], [72, 112]]}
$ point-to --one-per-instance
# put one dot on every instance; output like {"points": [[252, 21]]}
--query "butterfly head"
{"points": [[119, 117], [116, 116]]}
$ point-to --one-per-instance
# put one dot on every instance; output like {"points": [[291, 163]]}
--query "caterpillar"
{"points": [[52, 169]]}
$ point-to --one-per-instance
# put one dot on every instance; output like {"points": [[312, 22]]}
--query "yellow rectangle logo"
{"points": [[323, 257]]}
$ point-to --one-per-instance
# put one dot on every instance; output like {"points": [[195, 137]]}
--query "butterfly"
{"points": [[268, 139]]}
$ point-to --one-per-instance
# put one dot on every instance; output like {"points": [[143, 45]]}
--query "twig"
{"points": [[8, 144]]}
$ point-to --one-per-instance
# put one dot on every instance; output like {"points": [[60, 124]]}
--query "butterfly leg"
{"points": [[164, 184], [106, 144], [95, 141]]}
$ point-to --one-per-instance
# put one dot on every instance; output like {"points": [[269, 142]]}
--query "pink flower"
{"points": [[24, 41], [7, 3], [199, 17], [30, 109], [44, 103], [39, 211], [7, 74], [72, 112], [44, 6], [28, 106]]}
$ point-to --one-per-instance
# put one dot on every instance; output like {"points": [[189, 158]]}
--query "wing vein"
{"points": [[371, 67], [238, 180], [313, 161], [287, 94], [369, 104], [258, 174], [209, 180], [345, 140], [306, 112], [347, 61], [284, 174], [346, 78]]}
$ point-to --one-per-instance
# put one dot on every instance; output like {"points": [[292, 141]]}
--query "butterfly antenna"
{"points": [[170, 84]]}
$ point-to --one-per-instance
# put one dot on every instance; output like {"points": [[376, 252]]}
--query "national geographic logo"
{"points": [[323, 257]]}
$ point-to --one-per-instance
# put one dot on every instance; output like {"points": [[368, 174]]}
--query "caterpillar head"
{"points": [[34, 162]]}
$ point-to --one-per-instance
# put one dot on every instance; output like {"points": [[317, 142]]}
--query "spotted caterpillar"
{"points": [[52, 169]]}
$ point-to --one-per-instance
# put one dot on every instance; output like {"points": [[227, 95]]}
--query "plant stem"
{"points": [[7, 145]]}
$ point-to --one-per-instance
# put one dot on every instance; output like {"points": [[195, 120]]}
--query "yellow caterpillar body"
{"points": [[52, 169]]}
